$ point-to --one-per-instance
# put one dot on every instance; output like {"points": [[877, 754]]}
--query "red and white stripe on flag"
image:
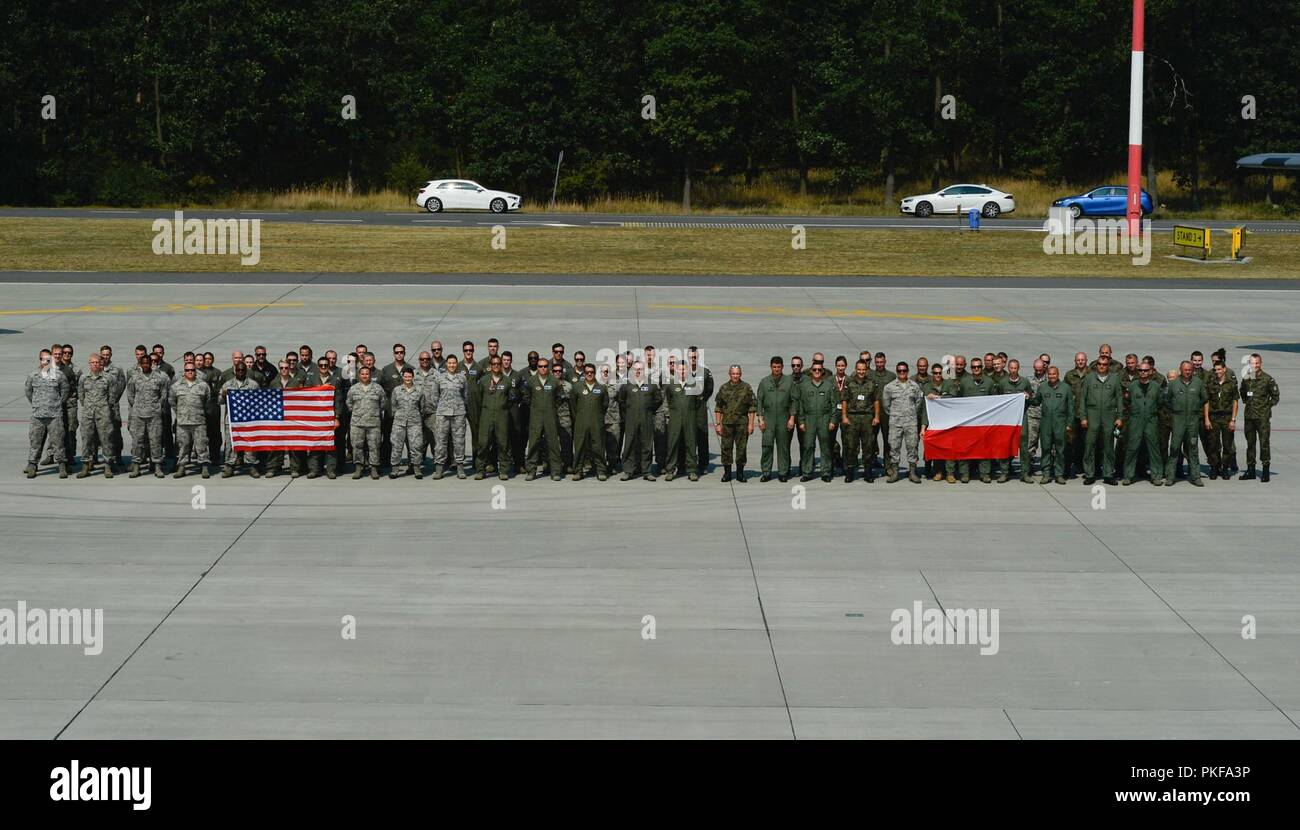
{"points": [[974, 428], [303, 421]]}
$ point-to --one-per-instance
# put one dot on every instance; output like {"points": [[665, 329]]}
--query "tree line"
{"points": [[186, 99]]}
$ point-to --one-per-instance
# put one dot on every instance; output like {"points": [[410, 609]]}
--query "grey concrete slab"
{"points": [[772, 604]]}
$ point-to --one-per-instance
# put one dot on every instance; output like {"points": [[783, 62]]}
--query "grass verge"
{"points": [[126, 245]]}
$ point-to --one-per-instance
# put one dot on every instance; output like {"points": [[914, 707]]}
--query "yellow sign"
{"points": [[1198, 238], [1238, 240]]}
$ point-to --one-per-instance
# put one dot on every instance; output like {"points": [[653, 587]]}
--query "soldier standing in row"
{"points": [[94, 398], [146, 390], [1057, 409], [495, 402], [240, 379], [1221, 401], [1261, 394], [1185, 398], [640, 399], [46, 389], [859, 415], [368, 404], [901, 399], [734, 408], [406, 402], [541, 394], [776, 419], [590, 403], [188, 398], [1142, 400], [682, 392]]}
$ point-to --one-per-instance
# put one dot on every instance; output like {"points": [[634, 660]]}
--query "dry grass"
{"points": [[777, 195], [126, 245]]}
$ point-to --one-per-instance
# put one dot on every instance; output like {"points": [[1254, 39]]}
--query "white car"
{"points": [[460, 194], [960, 198]]}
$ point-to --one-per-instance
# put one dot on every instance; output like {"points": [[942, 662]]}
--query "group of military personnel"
{"points": [[648, 415]]}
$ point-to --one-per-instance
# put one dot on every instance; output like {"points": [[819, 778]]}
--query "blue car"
{"points": [[1103, 201]]}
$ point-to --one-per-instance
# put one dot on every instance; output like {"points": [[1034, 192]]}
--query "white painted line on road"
{"points": [[266, 212]]}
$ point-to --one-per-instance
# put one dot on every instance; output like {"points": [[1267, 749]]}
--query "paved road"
{"points": [[418, 218], [772, 608], [682, 281]]}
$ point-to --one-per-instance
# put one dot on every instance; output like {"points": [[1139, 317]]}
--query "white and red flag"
{"points": [[974, 428], [281, 419]]}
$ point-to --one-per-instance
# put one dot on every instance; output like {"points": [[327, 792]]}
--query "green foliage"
{"points": [[190, 99]]}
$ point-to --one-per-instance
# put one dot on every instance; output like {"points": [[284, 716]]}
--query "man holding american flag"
{"points": [[281, 419]]}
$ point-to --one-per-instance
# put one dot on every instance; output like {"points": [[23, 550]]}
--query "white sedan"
{"points": [[459, 194], [960, 198]]}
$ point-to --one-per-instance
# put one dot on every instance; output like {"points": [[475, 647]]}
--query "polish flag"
{"points": [[974, 428]]}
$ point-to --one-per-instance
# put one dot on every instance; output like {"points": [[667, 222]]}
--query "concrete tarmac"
{"points": [[485, 609]]}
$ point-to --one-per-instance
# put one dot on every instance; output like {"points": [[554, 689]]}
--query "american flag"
{"points": [[282, 419]]}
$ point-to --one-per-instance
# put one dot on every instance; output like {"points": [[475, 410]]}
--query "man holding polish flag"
{"points": [[965, 429]]}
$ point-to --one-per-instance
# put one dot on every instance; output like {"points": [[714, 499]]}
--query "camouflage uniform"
{"points": [[702, 430], [145, 394], [1033, 416], [46, 392], [448, 397], [212, 376], [94, 398], [901, 399], [775, 402], [406, 404], [933, 465], [115, 409], [734, 401], [368, 405], [1260, 394], [1220, 397], [189, 405], [859, 407], [880, 432], [613, 423], [564, 415]]}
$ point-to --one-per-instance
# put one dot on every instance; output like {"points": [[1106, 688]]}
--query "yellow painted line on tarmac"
{"points": [[778, 311], [830, 312]]}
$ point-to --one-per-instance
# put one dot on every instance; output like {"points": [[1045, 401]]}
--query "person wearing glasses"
{"points": [[1142, 403]]}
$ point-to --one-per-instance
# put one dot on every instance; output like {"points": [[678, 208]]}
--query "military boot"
{"points": [[1249, 474], [108, 469], [417, 470], [912, 475], [356, 474], [740, 474], [893, 477], [374, 473], [726, 473], [180, 471], [86, 469], [158, 470], [203, 470], [63, 471], [438, 473], [460, 471], [1264, 476], [135, 470]]}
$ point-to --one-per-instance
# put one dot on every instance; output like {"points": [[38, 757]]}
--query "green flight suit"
{"points": [[776, 406], [1142, 404], [1186, 403]]}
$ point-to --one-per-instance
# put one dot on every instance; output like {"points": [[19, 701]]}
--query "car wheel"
{"points": [[433, 204], [991, 210], [924, 209], [1075, 211], [497, 205]]}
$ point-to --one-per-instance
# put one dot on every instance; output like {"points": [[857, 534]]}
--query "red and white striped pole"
{"points": [[1134, 211]]}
